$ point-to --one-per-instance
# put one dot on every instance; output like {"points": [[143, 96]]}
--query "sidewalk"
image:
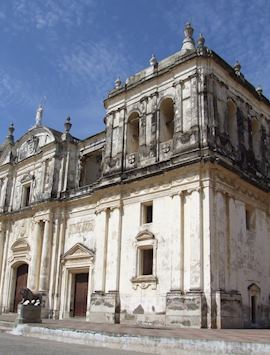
{"points": [[150, 340]]}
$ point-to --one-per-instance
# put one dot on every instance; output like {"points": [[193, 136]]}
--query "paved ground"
{"points": [[14, 345], [145, 339], [239, 335]]}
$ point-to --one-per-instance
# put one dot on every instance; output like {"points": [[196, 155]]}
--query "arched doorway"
{"points": [[21, 282]]}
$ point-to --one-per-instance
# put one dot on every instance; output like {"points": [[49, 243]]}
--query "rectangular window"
{"points": [[253, 309], [250, 218], [146, 261], [26, 195], [147, 212]]}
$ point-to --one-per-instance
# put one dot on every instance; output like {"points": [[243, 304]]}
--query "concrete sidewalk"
{"points": [[147, 340]]}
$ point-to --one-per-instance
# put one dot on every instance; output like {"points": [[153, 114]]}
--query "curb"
{"points": [[149, 344]]}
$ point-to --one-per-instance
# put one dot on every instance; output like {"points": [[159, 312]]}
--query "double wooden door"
{"points": [[80, 294], [21, 282]]}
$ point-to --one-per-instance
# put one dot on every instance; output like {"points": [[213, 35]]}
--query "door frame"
{"points": [[15, 282], [79, 259], [73, 291]]}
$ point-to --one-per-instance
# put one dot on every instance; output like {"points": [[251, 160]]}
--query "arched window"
{"points": [[232, 122], [256, 139], [254, 300], [166, 120], [133, 133]]}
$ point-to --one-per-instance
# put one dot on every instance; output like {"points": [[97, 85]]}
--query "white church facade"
{"points": [[160, 220]]}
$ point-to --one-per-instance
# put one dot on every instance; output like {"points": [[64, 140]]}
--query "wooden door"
{"points": [[21, 282], [80, 294]]}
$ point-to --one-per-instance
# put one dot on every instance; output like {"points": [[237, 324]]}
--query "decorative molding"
{"points": [[144, 282], [20, 246], [144, 235]]}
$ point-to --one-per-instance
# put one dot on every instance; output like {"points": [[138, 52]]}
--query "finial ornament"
{"points": [[10, 137], [117, 83], [259, 90], [237, 68], [153, 61], [201, 48], [67, 125], [188, 42], [201, 41]]}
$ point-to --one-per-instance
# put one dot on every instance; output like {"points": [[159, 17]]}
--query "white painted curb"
{"points": [[148, 344]]}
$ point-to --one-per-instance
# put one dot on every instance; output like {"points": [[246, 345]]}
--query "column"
{"points": [[177, 242], [158, 134], [35, 256], [2, 235], [58, 273], [178, 107], [209, 263], [233, 232], [53, 268], [101, 232], [45, 257], [195, 242], [114, 242], [3, 261]]}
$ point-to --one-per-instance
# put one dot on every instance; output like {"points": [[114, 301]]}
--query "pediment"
{"points": [[145, 235], [31, 143], [20, 246], [78, 251], [254, 287], [26, 178]]}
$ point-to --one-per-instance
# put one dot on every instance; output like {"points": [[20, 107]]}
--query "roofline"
{"points": [[183, 59], [92, 136]]}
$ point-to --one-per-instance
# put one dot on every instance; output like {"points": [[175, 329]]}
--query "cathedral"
{"points": [[160, 220]]}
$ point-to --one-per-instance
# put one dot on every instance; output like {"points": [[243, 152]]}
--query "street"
{"points": [[13, 345]]}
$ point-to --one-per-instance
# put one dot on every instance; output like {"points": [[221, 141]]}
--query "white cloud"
{"points": [[13, 91], [236, 30], [50, 13], [96, 62]]}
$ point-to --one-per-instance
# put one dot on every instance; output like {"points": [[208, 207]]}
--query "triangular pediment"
{"points": [[27, 177], [78, 251]]}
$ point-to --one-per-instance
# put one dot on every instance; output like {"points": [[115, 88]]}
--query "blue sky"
{"points": [[71, 51]]}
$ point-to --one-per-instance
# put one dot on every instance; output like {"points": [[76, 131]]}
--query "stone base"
{"points": [[229, 309], [28, 314], [45, 311], [184, 310], [152, 320], [104, 308]]}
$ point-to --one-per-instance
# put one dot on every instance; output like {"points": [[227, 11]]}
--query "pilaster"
{"points": [[36, 245]]}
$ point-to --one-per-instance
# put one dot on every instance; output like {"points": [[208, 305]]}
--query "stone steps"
{"points": [[6, 326]]}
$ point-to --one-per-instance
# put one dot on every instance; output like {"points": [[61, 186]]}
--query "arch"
{"points": [[254, 300], [232, 122], [166, 120], [256, 137], [132, 138]]}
